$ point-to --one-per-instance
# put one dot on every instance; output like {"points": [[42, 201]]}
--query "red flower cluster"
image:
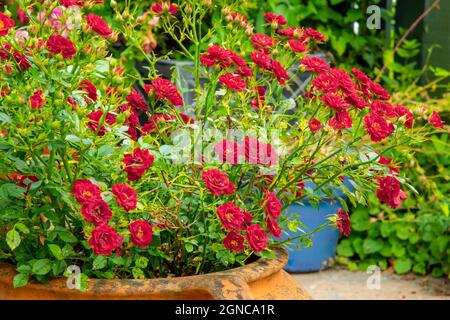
{"points": [[99, 25], [95, 117], [343, 222], [126, 196], [390, 192], [267, 63], [315, 64], [225, 58], [263, 42], [36, 100], [141, 233], [137, 163], [435, 120], [58, 44], [275, 19], [272, 205], [137, 101], [6, 23], [260, 99], [164, 7], [164, 89], [105, 240], [233, 82], [377, 127], [232, 217], [91, 90], [217, 182]]}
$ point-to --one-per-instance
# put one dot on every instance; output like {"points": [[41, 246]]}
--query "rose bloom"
{"points": [[361, 76], [21, 61], [137, 101], [272, 205], [233, 82], [383, 109], [96, 212], [231, 216], [315, 64], [105, 240], [355, 100], [141, 233], [341, 120], [325, 83], [377, 127], [164, 7], [335, 102], [314, 125], [401, 111], [390, 192], [59, 44], [91, 90], [435, 120], [85, 191], [126, 196], [343, 222], [379, 91], [273, 227], [316, 35], [263, 42], [95, 116], [296, 45], [6, 23], [260, 99], [217, 182], [256, 237], [36, 100], [343, 79], [137, 163], [98, 25], [275, 19], [22, 16], [234, 241], [291, 32], [164, 89]]}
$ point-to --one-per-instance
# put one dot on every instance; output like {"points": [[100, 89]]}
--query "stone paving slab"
{"points": [[341, 284]]}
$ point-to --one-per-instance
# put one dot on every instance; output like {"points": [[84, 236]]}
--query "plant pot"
{"points": [[262, 279], [323, 251]]}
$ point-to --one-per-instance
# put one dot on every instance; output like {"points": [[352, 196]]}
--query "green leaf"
{"points": [[402, 265], [100, 262], [13, 239], [41, 267], [20, 280], [345, 248], [189, 247], [22, 227], [58, 267], [371, 246], [56, 251], [141, 262], [24, 268], [67, 236]]}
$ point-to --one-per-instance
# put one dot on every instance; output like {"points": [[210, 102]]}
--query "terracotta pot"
{"points": [[262, 279]]}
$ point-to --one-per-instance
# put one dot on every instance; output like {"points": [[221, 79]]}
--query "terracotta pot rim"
{"points": [[240, 276]]}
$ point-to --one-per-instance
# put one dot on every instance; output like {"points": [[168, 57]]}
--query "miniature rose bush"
{"points": [[90, 174]]}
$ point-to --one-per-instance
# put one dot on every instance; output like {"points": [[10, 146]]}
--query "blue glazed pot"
{"points": [[325, 241]]}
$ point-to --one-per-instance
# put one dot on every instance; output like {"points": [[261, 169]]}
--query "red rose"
{"points": [[164, 7], [343, 222], [260, 99], [22, 16], [164, 89], [316, 35], [390, 192], [273, 227], [217, 182], [125, 196], [234, 241], [377, 127], [227, 151], [361, 76], [379, 91], [247, 217], [315, 64], [95, 116], [401, 111], [58, 44], [141, 233], [279, 72], [262, 60], [263, 42], [314, 125], [137, 101], [296, 45], [6, 23], [105, 240], [272, 205], [435, 120], [85, 191], [96, 212], [341, 120], [275, 19], [335, 102], [36, 100], [91, 90], [98, 25], [256, 237], [325, 83], [233, 82], [291, 32], [24, 181], [21, 61], [355, 100], [137, 163], [231, 216], [343, 79], [383, 109], [386, 161]]}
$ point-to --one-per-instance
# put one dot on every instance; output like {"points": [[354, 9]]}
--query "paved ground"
{"points": [[341, 284]]}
